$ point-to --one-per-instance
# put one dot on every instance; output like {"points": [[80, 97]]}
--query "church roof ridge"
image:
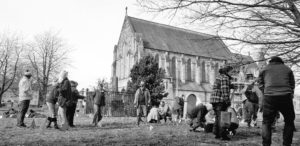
{"points": [[174, 27]]}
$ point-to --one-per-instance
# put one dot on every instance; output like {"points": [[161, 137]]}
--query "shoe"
{"points": [[48, 122], [55, 123], [22, 126], [72, 126]]}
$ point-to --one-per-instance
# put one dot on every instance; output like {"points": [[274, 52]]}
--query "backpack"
{"points": [[250, 95]]}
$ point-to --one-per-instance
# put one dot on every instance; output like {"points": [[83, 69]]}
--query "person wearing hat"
{"points": [[278, 84], [99, 103], [220, 100], [196, 116], [141, 101], [51, 100], [25, 95], [71, 106]]}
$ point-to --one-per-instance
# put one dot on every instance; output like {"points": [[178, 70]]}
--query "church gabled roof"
{"points": [[179, 40]]}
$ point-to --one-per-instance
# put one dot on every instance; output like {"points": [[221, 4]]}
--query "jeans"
{"points": [[251, 110], [218, 130], [141, 109], [97, 114], [24, 105], [70, 114], [271, 105]]}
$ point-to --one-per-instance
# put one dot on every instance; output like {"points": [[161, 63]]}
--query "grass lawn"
{"points": [[123, 131]]}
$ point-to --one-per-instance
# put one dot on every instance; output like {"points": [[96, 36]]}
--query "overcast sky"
{"points": [[90, 27]]}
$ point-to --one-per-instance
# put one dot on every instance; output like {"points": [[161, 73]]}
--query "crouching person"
{"points": [[153, 116], [71, 107], [164, 111], [197, 116], [210, 121], [51, 101]]}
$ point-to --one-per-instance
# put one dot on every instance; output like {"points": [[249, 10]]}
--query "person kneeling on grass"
{"points": [[196, 116], [164, 111], [153, 116], [210, 120]]}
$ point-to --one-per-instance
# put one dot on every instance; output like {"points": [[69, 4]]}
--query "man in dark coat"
{"points": [[99, 103], [278, 84], [71, 106]]}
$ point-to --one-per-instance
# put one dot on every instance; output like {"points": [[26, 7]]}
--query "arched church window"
{"points": [[173, 67], [189, 71], [203, 72]]}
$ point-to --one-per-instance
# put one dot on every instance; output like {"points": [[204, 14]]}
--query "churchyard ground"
{"points": [[123, 131]]}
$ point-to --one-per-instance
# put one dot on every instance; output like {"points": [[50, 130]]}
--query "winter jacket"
{"points": [[25, 91], [99, 97], [142, 97], [177, 103], [256, 91], [198, 112], [74, 97], [221, 89], [65, 92], [277, 79]]}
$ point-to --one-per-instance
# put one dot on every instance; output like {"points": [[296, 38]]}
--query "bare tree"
{"points": [[271, 25], [10, 50], [48, 55]]}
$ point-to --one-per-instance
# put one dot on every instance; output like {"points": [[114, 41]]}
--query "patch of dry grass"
{"points": [[122, 131]]}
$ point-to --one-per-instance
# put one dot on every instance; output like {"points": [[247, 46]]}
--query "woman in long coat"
{"points": [[65, 94]]}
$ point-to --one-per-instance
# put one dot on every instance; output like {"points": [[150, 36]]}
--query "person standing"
{"points": [[278, 83], [253, 95], [220, 99], [25, 95], [71, 107], [64, 97], [99, 103], [177, 107], [51, 101], [141, 101]]}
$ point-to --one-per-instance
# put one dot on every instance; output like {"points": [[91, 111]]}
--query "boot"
{"points": [[48, 122], [55, 123]]}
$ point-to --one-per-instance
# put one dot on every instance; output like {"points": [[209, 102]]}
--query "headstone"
{"points": [[33, 125], [43, 126]]}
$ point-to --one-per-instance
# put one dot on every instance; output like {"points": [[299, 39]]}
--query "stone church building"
{"points": [[191, 59]]}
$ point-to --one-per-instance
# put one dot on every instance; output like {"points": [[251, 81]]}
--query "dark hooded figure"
{"points": [[71, 107]]}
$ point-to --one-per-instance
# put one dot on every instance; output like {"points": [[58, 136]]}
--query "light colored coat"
{"points": [[25, 91]]}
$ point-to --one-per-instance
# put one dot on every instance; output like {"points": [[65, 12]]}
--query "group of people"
{"points": [[63, 93], [272, 92]]}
